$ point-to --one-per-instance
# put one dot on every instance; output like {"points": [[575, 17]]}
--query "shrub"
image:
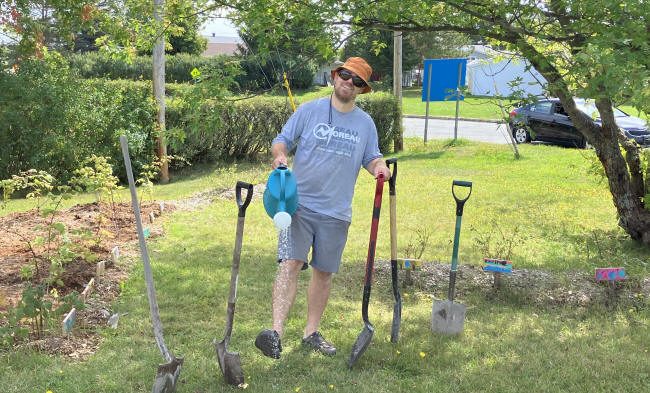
{"points": [[227, 129], [385, 111], [52, 120]]}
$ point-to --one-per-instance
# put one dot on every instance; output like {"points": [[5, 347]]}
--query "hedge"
{"points": [[243, 129], [178, 67]]}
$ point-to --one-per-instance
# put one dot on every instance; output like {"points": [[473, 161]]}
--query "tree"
{"points": [[376, 46], [437, 45], [589, 48]]}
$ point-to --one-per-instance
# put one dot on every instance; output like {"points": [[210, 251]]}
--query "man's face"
{"points": [[345, 90]]}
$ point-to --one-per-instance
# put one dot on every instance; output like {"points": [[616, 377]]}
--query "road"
{"points": [[480, 131]]}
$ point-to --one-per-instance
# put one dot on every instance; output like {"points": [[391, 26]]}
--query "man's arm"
{"points": [[279, 152], [377, 166]]}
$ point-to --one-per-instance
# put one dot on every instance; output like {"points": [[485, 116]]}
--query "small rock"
{"points": [[112, 321]]}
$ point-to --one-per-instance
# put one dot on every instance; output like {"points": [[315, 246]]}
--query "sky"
{"points": [[220, 27]]}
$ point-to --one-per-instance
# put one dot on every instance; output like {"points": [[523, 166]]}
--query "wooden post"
{"points": [[426, 114]]}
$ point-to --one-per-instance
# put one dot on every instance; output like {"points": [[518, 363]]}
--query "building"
{"points": [[490, 73], [222, 45]]}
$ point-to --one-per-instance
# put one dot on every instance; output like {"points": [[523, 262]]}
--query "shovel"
{"points": [[397, 308], [229, 362], [364, 338], [448, 317], [168, 373]]}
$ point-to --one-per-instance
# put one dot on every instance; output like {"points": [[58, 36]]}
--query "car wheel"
{"points": [[520, 134]]}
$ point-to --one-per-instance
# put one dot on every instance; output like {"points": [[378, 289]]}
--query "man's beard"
{"points": [[344, 99]]}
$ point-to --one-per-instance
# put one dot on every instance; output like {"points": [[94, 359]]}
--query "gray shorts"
{"points": [[324, 235]]}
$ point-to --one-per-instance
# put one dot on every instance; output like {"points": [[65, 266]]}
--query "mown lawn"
{"points": [[558, 216]]}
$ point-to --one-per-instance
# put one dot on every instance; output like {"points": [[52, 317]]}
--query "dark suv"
{"points": [[546, 120]]}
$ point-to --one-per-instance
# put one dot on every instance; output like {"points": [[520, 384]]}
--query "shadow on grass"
{"points": [[433, 150]]}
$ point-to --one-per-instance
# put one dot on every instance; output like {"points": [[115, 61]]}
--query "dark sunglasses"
{"points": [[357, 81]]}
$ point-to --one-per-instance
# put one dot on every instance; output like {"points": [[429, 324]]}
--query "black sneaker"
{"points": [[268, 341], [316, 342]]}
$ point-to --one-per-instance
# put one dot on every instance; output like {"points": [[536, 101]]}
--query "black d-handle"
{"points": [[393, 174], [460, 203], [249, 195]]}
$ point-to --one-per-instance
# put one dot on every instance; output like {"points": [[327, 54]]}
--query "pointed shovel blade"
{"points": [[167, 376], [397, 321], [447, 317], [360, 346], [230, 364]]}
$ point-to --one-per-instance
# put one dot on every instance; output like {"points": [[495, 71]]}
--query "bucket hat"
{"points": [[360, 67]]}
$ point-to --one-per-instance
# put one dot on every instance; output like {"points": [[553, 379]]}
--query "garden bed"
{"points": [[91, 231]]}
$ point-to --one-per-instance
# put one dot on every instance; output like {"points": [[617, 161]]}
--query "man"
{"points": [[333, 139]]}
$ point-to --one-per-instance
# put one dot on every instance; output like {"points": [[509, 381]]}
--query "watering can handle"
{"points": [[249, 195], [460, 203]]}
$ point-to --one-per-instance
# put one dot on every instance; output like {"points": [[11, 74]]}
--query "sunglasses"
{"points": [[357, 81]]}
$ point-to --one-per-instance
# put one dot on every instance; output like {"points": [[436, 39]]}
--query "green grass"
{"points": [[484, 108], [562, 220], [471, 107]]}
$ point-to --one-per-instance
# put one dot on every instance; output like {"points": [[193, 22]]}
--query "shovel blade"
{"points": [[397, 321], [167, 376], [447, 317], [230, 364], [360, 346]]}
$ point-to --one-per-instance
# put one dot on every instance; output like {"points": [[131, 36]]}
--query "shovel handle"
{"points": [[397, 308], [393, 174], [460, 202], [148, 275], [372, 245], [243, 204]]}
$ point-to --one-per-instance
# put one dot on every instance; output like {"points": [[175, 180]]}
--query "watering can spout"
{"points": [[281, 197]]}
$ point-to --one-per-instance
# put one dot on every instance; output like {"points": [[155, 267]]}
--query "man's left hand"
{"points": [[377, 167]]}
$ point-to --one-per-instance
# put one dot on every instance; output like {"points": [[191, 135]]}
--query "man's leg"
{"points": [[284, 292], [317, 296]]}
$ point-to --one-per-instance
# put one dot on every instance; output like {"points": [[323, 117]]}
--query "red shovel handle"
{"points": [[370, 262]]}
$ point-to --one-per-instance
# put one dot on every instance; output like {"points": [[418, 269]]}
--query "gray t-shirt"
{"points": [[328, 157]]}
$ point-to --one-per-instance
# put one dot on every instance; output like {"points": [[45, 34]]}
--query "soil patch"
{"points": [[92, 231], [540, 288]]}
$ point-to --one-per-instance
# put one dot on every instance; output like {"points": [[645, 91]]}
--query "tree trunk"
{"points": [[159, 90], [398, 141], [624, 174], [633, 217]]}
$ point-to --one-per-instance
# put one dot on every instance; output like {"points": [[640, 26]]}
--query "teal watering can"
{"points": [[281, 197]]}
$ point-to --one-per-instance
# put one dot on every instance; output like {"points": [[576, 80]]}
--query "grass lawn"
{"points": [[471, 107], [484, 108], [553, 213]]}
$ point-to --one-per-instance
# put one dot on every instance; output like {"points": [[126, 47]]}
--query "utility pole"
{"points": [[159, 89], [398, 141]]}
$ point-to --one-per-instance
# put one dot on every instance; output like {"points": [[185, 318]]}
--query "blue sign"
{"points": [[444, 79]]}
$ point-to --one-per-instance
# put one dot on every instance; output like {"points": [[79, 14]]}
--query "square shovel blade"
{"points": [[447, 317]]}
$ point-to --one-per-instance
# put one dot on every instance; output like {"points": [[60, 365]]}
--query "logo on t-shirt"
{"points": [[336, 139]]}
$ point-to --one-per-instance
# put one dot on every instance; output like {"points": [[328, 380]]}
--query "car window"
{"points": [[590, 109], [542, 107], [559, 110]]}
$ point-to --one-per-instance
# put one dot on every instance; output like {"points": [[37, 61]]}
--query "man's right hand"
{"points": [[279, 160], [279, 153]]}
